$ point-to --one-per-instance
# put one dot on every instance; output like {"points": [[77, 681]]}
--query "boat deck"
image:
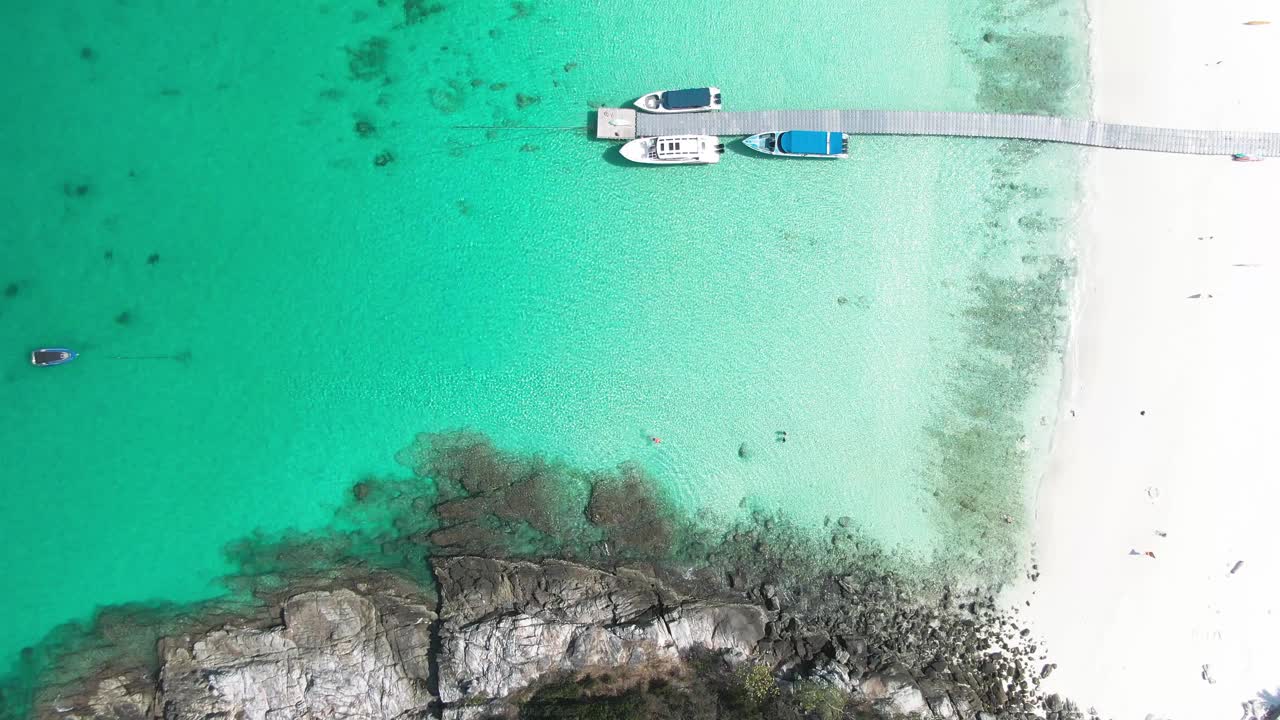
{"points": [[616, 123]]}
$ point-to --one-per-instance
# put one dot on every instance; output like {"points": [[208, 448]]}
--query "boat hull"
{"points": [[48, 357], [663, 150], [767, 143], [652, 103]]}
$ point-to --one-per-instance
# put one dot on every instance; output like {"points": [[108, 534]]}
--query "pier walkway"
{"points": [[620, 123]]}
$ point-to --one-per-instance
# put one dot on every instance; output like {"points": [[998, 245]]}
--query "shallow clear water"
{"points": [[317, 308]]}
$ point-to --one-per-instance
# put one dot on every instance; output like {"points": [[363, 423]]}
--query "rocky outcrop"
{"points": [[333, 654], [332, 657], [357, 648], [506, 624]]}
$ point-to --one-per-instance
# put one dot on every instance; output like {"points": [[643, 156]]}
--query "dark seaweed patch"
{"points": [[11, 290], [384, 158], [529, 148], [1026, 74], [87, 54], [76, 189], [368, 60], [153, 258], [570, 66], [523, 101], [364, 129], [415, 11], [1025, 71], [1014, 324], [124, 318], [498, 86], [522, 10]]}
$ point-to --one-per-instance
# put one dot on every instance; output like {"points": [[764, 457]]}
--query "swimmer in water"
{"points": [[656, 440]]}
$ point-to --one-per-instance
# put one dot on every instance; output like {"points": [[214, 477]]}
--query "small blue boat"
{"points": [[48, 357], [801, 143], [681, 101]]}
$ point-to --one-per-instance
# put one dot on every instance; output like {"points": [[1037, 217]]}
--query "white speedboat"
{"points": [[681, 101], [801, 143], [674, 150]]}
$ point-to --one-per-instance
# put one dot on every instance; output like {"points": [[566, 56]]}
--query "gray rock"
{"points": [[330, 654], [894, 694], [332, 657], [942, 708], [506, 624], [834, 674]]}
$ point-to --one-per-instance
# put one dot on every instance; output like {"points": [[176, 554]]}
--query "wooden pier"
{"points": [[624, 124]]}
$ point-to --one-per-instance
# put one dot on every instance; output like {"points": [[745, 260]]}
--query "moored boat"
{"points": [[801, 143], [48, 357], [674, 150], [681, 101]]}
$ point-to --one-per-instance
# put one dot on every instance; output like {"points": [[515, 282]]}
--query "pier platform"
{"points": [[624, 124]]}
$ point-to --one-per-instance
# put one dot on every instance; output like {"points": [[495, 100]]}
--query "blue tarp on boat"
{"points": [[811, 142], [680, 99]]}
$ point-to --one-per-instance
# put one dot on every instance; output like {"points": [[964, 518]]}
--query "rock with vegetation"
{"points": [[497, 585], [507, 624]]}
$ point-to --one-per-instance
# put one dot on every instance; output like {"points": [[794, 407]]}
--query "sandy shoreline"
{"points": [[1131, 634]]}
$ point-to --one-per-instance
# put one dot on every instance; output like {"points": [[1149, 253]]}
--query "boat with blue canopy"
{"points": [[681, 101], [801, 143]]}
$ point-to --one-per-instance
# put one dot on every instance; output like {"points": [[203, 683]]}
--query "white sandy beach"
{"points": [[1130, 634]]}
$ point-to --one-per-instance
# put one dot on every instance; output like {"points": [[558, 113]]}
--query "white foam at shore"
{"points": [[1131, 634]]}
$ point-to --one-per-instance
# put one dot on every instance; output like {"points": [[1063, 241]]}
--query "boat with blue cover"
{"points": [[48, 357], [801, 143], [681, 101]]}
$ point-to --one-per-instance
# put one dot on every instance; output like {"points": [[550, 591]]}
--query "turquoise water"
{"points": [[274, 206]]}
